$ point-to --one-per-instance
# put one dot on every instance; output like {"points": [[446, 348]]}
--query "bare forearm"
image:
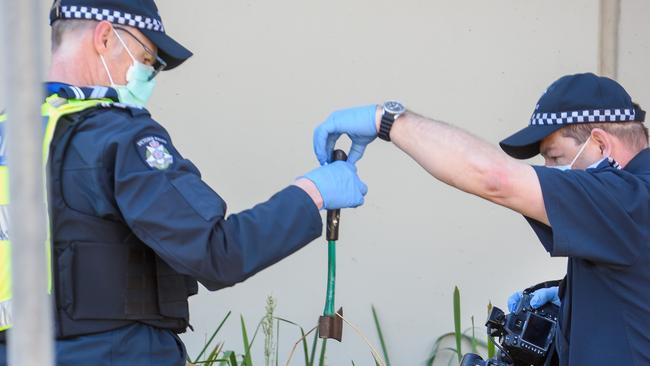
{"points": [[450, 154], [469, 163]]}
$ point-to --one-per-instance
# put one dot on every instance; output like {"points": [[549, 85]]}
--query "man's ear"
{"points": [[102, 37], [604, 141]]}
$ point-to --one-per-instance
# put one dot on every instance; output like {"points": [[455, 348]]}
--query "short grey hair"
{"points": [[62, 27], [633, 134]]}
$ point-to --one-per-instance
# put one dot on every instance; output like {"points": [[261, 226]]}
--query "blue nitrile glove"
{"points": [[339, 185], [545, 295], [357, 123], [513, 301], [540, 297]]}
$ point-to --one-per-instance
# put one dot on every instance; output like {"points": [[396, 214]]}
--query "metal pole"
{"points": [[30, 339], [610, 14]]}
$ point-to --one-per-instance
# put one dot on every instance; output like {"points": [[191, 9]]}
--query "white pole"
{"points": [[610, 13], [30, 339]]}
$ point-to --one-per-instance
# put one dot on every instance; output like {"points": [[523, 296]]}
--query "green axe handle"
{"points": [[330, 325]]}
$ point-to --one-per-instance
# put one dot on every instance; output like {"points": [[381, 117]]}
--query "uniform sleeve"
{"points": [[598, 215], [164, 201]]}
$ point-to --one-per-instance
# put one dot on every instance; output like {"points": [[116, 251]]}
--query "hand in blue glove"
{"points": [[358, 123], [540, 297], [513, 301], [545, 295], [339, 185]]}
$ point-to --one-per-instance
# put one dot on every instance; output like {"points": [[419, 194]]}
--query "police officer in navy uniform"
{"points": [[590, 202], [133, 226]]}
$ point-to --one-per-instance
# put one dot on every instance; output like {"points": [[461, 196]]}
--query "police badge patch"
{"points": [[152, 149]]}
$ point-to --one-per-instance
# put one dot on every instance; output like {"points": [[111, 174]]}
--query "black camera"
{"points": [[525, 335]]}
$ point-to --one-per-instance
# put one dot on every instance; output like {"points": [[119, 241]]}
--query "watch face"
{"points": [[394, 107]]}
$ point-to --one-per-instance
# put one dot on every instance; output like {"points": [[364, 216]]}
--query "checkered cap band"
{"points": [[587, 116], [113, 16]]}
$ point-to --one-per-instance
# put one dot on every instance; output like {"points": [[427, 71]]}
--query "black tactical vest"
{"points": [[104, 277]]}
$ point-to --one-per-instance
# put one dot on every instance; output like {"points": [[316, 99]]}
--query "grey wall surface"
{"points": [[266, 72]]}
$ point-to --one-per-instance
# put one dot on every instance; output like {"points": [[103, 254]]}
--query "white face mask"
{"points": [[139, 88], [570, 166]]}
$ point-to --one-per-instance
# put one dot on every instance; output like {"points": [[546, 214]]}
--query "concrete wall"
{"points": [[266, 72]]}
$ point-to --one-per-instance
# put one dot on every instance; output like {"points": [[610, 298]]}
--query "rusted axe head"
{"points": [[331, 326]]}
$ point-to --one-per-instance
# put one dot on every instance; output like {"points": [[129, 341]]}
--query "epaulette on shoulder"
{"points": [[135, 111], [99, 92]]}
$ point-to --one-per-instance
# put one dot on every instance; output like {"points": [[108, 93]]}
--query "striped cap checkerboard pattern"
{"points": [[586, 116], [113, 16]]}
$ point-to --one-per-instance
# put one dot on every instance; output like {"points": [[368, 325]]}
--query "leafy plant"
{"points": [[209, 362], [217, 356], [384, 349], [459, 336], [457, 332], [491, 348], [267, 327], [271, 324], [247, 345]]}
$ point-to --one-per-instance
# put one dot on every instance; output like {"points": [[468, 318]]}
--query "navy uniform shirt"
{"points": [[122, 165], [600, 220]]}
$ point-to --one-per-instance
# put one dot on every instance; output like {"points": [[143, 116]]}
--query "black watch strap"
{"points": [[387, 120]]}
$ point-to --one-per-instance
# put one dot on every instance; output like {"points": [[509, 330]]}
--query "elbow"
{"points": [[496, 184], [222, 280], [489, 176], [220, 274], [213, 285], [225, 266], [230, 271]]}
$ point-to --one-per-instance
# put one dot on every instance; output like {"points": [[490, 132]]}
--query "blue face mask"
{"points": [[570, 166], [139, 88], [596, 164]]}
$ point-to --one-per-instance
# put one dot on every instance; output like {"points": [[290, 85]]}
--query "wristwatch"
{"points": [[392, 111]]}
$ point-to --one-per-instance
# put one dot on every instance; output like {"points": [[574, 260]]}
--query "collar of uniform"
{"points": [[68, 91], [640, 164]]}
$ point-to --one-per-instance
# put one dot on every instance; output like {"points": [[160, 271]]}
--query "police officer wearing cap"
{"points": [[133, 228], [589, 203]]}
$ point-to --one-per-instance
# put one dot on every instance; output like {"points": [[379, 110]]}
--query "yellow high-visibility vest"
{"points": [[52, 110]]}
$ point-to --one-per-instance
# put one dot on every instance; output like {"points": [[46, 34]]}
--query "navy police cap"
{"points": [[140, 14], [580, 98]]}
